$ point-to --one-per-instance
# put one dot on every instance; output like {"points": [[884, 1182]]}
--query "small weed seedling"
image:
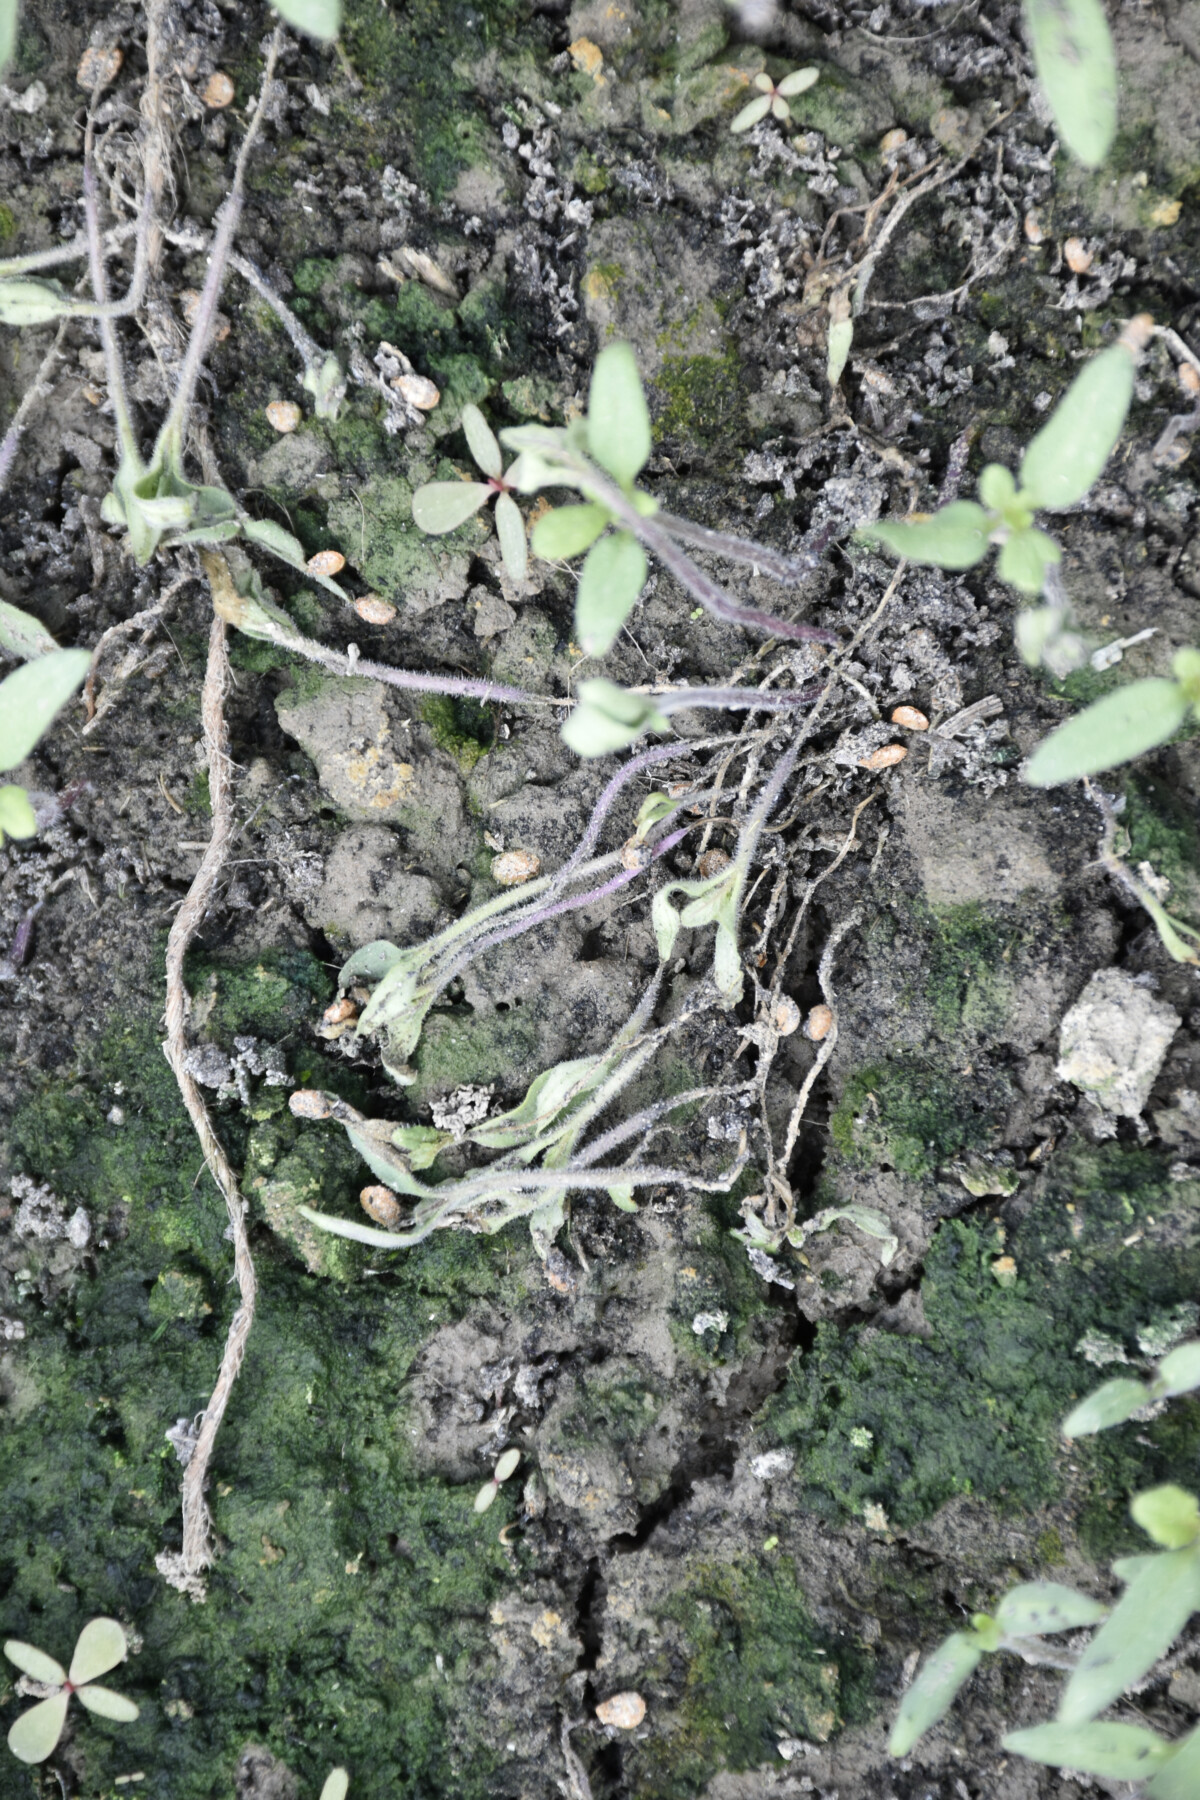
{"points": [[442, 506], [101, 1646], [774, 99], [30, 697], [506, 1466], [1124, 724]]}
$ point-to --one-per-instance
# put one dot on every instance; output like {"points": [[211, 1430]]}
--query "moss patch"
{"points": [[912, 1116]]}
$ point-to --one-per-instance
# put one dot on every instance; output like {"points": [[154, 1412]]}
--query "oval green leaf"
{"points": [[841, 339], [1122, 1752], [1114, 730], [8, 32], [442, 506], [507, 1465], [931, 1694], [1142, 1626], [337, 1784], [320, 19], [1111, 1404], [100, 1647], [607, 718], [997, 487], [22, 635], [798, 82], [1178, 1373], [372, 962], [35, 1733], [24, 301], [618, 419], [106, 1704], [1168, 1514], [481, 440], [567, 531], [1024, 559], [32, 695], [17, 817], [1037, 1607], [751, 113], [510, 529], [956, 537], [35, 1662], [1076, 65], [612, 577], [1066, 457]]}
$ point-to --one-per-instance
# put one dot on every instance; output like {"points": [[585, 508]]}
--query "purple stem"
{"points": [[644, 760], [469, 686]]}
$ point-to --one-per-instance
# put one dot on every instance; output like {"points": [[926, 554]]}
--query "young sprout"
{"points": [[506, 1466], [442, 506], [101, 1646], [772, 99]]}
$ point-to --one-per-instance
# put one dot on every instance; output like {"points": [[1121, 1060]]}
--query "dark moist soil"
{"points": [[750, 1503]]}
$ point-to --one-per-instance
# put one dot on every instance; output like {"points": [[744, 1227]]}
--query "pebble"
{"points": [[284, 415], [1033, 229], [1077, 256], [374, 610], [785, 1016], [886, 757], [326, 562], [217, 91], [418, 390], [910, 718], [99, 64], [892, 141], [379, 1203], [819, 1023], [625, 1711], [515, 867], [309, 1103], [711, 863]]}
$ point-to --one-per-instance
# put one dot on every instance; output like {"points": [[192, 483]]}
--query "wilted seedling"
{"points": [[442, 506], [1058, 468], [30, 697], [506, 1466], [774, 99], [100, 1647]]}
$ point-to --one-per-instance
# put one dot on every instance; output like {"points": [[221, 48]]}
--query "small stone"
{"points": [[217, 91], [785, 1016], [819, 1023], [326, 562], [1137, 332], [635, 854], [587, 57], [1189, 378], [891, 141], [309, 1103], [1077, 256], [886, 757], [1033, 229], [418, 390], [99, 65], [284, 415], [340, 1012], [711, 863], [1004, 1270], [1114, 1040], [515, 867], [379, 1203], [624, 1712], [910, 718], [373, 609], [1166, 212]]}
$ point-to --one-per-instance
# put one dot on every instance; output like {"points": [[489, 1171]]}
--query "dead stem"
{"points": [[197, 1520]]}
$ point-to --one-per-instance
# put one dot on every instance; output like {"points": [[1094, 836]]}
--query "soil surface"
{"points": [[752, 1488]]}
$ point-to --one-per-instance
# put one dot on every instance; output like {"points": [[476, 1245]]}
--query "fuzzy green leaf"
{"points": [[350, 1228], [1168, 1514], [997, 488], [22, 635], [24, 301], [1077, 66], [1036, 1607], [932, 1693], [510, 529], [545, 1098], [337, 1785], [1024, 558], [1142, 1626], [567, 531], [798, 82], [1122, 1752], [1109, 1405], [17, 817], [1125, 724], [320, 19], [31, 697], [653, 808], [612, 577], [100, 1647], [665, 920], [618, 419], [481, 440], [955, 537], [1178, 1373], [32, 1661], [727, 965], [421, 1144], [1068, 454], [372, 962], [442, 506], [607, 718], [1180, 1778], [8, 32], [388, 1163], [507, 1465], [841, 339], [751, 113], [106, 1704], [622, 1198], [35, 1733]]}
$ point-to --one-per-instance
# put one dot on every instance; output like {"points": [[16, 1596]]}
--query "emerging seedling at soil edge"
{"points": [[100, 1647], [29, 700], [442, 506], [506, 1466], [774, 99]]}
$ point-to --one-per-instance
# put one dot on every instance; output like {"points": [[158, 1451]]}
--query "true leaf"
{"points": [[22, 635], [997, 488], [32, 1661], [931, 1694], [510, 529], [35, 1733], [567, 531], [653, 808], [321, 19], [1179, 1372], [482, 440], [1122, 725], [1178, 1779], [955, 537], [607, 718], [350, 1228], [17, 817], [622, 1197], [24, 301], [100, 1647], [32, 695], [665, 920], [108, 1705], [1146, 1620], [618, 419], [1036, 1607], [1076, 65], [1168, 1514], [385, 1161], [1069, 452], [1024, 559], [442, 506], [371, 963], [1110, 1404], [612, 577], [421, 1144], [1122, 1752]]}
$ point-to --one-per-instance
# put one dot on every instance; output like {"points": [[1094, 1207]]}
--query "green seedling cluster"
{"points": [[100, 1647], [30, 699], [442, 506], [773, 99]]}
